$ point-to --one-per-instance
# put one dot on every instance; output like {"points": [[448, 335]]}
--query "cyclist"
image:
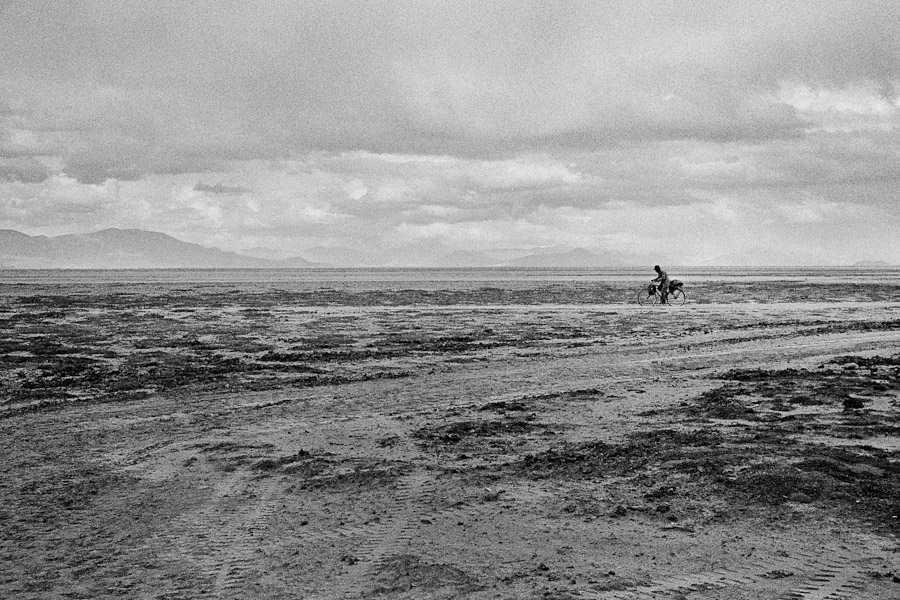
{"points": [[663, 278]]}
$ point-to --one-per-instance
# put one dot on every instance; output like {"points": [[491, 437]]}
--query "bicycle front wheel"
{"points": [[645, 299], [676, 297]]}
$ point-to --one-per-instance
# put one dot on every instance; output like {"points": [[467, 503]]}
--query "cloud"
{"points": [[54, 204], [177, 88], [815, 210], [864, 106], [468, 123], [402, 177], [221, 188], [455, 204], [25, 169]]}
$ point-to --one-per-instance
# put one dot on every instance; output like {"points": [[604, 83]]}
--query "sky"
{"points": [[699, 132]]}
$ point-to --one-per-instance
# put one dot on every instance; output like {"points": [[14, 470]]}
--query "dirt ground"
{"points": [[205, 445]]}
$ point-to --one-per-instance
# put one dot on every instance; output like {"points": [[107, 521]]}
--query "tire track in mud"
{"points": [[220, 539], [838, 581], [380, 541], [834, 343], [225, 556], [318, 404], [367, 546], [836, 577], [712, 357], [832, 577]]}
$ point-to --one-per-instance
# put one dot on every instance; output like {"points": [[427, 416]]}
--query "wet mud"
{"points": [[532, 441]]}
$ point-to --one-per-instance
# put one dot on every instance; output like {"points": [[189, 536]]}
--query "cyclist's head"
{"points": [[656, 268]]}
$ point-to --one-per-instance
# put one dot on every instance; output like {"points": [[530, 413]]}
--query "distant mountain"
{"points": [[267, 253], [339, 256], [294, 262], [279, 258], [122, 249], [579, 257], [138, 249], [466, 258], [871, 263], [539, 257]]}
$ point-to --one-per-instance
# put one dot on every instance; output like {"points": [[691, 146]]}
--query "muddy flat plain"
{"points": [[449, 434]]}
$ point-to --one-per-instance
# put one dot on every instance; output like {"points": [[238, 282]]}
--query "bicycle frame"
{"points": [[676, 296]]}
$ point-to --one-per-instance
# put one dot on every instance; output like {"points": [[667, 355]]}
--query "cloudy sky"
{"points": [[717, 132]]}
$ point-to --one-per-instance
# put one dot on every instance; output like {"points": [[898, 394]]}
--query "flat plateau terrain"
{"points": [[189, 441]]}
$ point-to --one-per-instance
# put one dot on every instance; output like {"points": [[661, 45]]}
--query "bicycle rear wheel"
{"points": [[677, 297], [645, 299]]}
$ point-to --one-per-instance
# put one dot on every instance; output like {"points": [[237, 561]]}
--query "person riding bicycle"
{"points": [[663, 278]]}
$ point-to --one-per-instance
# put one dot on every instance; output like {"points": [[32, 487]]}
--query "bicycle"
{"points": [[651, 295]]}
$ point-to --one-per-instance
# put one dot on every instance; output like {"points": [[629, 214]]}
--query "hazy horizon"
{"points": [[703, 133], [118, 249]]}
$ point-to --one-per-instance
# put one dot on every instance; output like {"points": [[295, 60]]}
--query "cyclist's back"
{"points": [[663, 278]]}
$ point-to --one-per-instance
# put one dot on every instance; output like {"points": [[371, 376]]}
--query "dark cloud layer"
{"points": [[204, 81], [24, 169], [221, 188]]}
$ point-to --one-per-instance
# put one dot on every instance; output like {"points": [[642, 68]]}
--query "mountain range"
{"points": [[441, 257], [138, 249], [123, 249]]}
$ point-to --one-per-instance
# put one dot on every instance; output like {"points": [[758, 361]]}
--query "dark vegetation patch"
{"points": [[261, 298], [408, 573], [47, 497], [885, 325], [476, 431], [724, 403], [302, 463], [861, 427], [44, 346], [45, 400], [118, 353], [340, 355], [361, 477], [503, 406], [854, 482], [789, 291], [290, 357], [10, 345], [277, 378], [112, 342], [761, 463], [171, 369], [255, 313], [758, 470], [846, 382], [226, 447], [326, 340], [68, 368], [421, 342], [685, 451], [96, 345], [230, 456], [869, 362], [580, 395], [307, 469]]}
